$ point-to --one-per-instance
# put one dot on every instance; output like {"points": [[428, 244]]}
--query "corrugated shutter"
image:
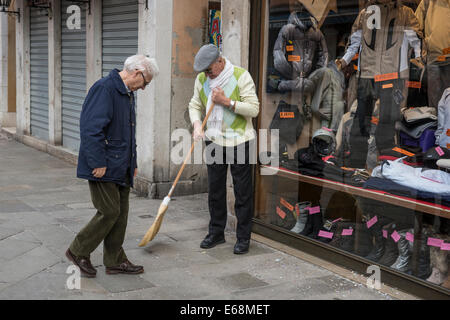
{"points": [[73, 69], [39, 73], [119, 33]]}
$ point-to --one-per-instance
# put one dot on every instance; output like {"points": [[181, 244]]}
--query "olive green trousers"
{"points": [[108, 225]]}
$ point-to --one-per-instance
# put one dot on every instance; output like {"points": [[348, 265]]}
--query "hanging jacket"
{"points": [[300, 42], [434, 22], [326, 85], [443, 131], [384, 51]]}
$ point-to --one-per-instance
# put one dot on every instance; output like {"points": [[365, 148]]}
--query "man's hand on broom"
{"points": [[198, 133]]}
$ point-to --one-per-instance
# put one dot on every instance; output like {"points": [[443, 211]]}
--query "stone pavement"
{"points": [[43, 205]]}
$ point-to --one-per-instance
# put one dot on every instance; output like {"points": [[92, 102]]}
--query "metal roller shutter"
{"points": [[119, 33], [73, 74], [39, 73]]}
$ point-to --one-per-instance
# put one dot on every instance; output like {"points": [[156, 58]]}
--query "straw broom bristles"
{"points": [[153, 230]]}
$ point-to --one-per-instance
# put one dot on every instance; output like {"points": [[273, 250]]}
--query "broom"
{"points": [[153, 230]]}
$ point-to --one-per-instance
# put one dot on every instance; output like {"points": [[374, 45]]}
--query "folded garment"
{"points": [[405, 191], [418, 178], [425, 141], [412, 115], [415, 131], [414, 158]]}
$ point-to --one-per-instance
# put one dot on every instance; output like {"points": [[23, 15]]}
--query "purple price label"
{"points": [[347, 232], [314, 210], [371, 222], [325, 234], [439, 151], [385, 234], [395, 236], [445, 246], [434, 242], [409, 237]]}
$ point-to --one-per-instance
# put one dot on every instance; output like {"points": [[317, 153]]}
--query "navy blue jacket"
{"points": [[107, 131]]}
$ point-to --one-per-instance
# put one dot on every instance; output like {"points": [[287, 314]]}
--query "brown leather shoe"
{"points": [[125, 267], [85, 265]]}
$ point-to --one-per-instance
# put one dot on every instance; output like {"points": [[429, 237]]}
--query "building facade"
{"points": [[62, 49]]}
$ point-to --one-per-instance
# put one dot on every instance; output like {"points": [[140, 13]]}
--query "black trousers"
{"points": [[218, 158], [391, 96]]}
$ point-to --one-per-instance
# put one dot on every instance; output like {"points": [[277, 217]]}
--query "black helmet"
{"points": [[324, 142]]}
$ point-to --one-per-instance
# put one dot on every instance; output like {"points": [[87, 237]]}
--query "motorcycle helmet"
{"points": [[324, 142]]}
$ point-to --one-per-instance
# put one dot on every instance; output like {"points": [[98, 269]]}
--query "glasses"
{"points": [[208, 71], [145, 81]]}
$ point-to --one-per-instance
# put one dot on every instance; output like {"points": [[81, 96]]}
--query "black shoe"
{"points": [[241, 246], [211, 240], [85, 265]]}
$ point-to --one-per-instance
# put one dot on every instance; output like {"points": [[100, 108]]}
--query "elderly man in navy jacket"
{"points": [[107, 159]]}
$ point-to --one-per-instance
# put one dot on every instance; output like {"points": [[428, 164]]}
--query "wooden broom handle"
{"points": [[189, 154]]}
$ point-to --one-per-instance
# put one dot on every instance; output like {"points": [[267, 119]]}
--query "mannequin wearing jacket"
{"points": [[382, 69], [433, 17], [298, 44]]}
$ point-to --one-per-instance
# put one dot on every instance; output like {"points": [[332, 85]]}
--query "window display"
{"points": [[363, 150]]}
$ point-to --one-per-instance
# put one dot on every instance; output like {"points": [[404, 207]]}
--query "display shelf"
{"points": [[416, 205]]}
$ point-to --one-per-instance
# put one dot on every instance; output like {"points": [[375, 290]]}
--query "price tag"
{"points": [[314, 210], [409, 237], [325, 234], [386, 77], [287, 115], [413, 84], [375, 120], [289, 48], [439, 151], [402, 151], [347, 232], [395, 236], [281, 213], [371, 222], [445, 246], [433, 242], [292, 58], [289, 206], [385, 234]]}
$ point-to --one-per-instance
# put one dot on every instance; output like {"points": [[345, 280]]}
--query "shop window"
{"points": [[360, 128]]}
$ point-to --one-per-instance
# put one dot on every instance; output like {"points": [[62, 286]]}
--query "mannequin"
{"points": [[299, 42], [381, 35]]}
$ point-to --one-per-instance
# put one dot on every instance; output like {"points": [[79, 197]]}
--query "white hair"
{"points": [[142, 63]]}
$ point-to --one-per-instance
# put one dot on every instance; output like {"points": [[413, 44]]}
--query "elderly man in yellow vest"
{"points": [[229, 135]]}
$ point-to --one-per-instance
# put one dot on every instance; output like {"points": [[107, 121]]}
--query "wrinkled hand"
{"points": [[218, 97], [198, 133], [99, 172], [340, 63]]}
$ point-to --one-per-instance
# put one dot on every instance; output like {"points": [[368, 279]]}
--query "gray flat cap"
{"points": [[205, 56]]}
